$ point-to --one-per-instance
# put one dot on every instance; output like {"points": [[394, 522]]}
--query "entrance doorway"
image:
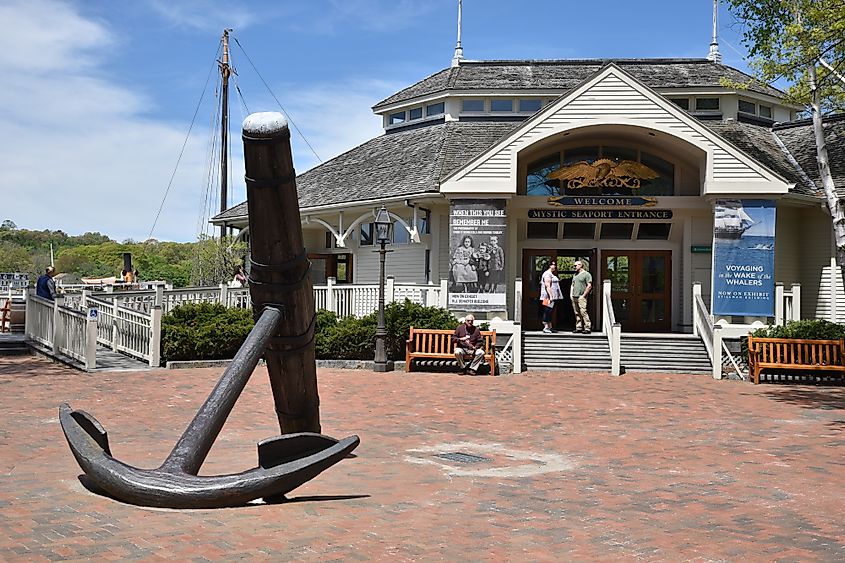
{"points": [[534, 263], [641, 288]]}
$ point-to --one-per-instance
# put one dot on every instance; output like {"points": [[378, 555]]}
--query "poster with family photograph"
{"points": [[477, 235], [744, 257]]}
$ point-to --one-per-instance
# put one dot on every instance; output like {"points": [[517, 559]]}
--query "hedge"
{"points": [[211, 331], [817, 329]]}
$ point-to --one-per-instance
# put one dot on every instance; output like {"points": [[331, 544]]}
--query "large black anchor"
{"points": [[281, 291]]}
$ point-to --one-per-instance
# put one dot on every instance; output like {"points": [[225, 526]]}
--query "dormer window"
{"points": [[530, 105], [707, 104], [765, 111], [501, 105], [396, 118], [747, 107], [472, 105], [415, 113], [435, 109], [682, 103]]}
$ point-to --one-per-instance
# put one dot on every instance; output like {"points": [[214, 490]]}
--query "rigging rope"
{"points": [[277, 100], [184, 144]]}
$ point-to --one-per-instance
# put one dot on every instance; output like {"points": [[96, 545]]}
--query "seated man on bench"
{"points": [[467, 339]]}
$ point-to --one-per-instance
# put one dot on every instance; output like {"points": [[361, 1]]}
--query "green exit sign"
{"points": [[702, 249]]}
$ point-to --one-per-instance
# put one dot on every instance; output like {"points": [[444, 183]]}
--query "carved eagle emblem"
{"points": [[603, 173]]}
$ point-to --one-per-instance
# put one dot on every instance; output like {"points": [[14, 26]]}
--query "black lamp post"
{"points": [[383, 225]]}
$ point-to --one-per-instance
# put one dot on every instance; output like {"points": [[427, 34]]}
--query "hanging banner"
{"points": [[477, 236], [744, 258]]}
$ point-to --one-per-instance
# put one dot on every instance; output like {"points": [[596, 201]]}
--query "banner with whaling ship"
{"points": [[744, 258]]}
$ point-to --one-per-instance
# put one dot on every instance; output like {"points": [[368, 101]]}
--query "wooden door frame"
{"points": [[635, 280]]}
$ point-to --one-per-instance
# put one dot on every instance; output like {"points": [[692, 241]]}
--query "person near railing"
{"points": [[549, 293], [467, 339], [45, 287], [582, 283]]}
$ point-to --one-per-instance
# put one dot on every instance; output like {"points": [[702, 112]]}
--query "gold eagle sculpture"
{"points": [[603, 173]]}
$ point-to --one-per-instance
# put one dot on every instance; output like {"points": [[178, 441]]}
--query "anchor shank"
{"points": [[279, 270], [190, 451]]}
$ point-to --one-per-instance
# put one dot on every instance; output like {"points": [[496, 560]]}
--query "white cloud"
{"points": [[82, 153], [205, 15]]}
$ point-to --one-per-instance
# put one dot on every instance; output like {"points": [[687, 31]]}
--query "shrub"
{"points": [[816, 329], [355, 339], [203, 331]]}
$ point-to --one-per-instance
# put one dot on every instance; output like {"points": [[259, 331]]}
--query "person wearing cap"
{"points": [[582, 283], [45, 287], [467, 339]]}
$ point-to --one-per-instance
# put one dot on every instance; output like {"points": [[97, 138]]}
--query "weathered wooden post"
{"points": [[279, 270]]}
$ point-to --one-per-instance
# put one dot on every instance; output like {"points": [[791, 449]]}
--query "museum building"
{"points": [[639, 167]]}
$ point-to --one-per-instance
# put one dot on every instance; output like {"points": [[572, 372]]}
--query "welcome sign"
{"points": [[744, 258]]}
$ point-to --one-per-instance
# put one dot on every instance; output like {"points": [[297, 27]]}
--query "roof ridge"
{"points": [[807, 121]]}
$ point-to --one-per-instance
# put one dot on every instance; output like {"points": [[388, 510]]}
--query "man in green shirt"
{"points": [[582, 283]]}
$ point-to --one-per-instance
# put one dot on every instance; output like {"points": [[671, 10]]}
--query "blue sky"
{"points": [[98, 94]]}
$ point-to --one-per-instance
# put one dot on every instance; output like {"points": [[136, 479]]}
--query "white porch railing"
{"points": [[125, 329], [612, 329], [62, 330], [703, 327]]}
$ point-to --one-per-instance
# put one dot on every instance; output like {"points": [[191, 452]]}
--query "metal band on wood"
{"points": [[277, 138], [294, 344], [269, 182], [294, 262]]}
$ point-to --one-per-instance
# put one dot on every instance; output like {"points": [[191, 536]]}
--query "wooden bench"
{"points": [[791, 353], [436, 344]]}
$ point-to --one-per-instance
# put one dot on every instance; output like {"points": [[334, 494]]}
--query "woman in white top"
{"points": [[549, 293]]}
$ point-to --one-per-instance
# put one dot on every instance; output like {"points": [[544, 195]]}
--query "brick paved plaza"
{"points": [[579, 466]]}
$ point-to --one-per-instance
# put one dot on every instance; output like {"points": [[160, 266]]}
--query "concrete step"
{"points": [[13, 345]]}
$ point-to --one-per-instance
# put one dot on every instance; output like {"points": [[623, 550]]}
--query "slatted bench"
{"points": [[436, 344], [791, 353]]}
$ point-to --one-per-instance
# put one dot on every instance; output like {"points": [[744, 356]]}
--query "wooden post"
{"points": [[279, 270], [91, 338], [444, 294], [390, 289], [330, 298], [224, 294], [779, 304], [58, 331], [517, 300], [155, 336], [717, 352], [696, 292], [796, 302], [115, 330]]}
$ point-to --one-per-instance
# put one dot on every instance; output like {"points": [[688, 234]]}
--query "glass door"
{"points": [[640, 282], [534, 263]]}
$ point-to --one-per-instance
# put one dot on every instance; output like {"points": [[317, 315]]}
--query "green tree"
{"points": [[15, 258], [803, 41], [214, 260]]}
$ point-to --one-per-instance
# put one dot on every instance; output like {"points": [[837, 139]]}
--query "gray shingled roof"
{"points": [[799, 139], [564, 75], [760, 144], [398, 164]]}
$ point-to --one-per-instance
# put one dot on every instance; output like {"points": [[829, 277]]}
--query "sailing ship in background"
{"points": [[730, 220]]}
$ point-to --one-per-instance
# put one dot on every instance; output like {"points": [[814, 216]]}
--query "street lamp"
{"points": [[383, 225]]}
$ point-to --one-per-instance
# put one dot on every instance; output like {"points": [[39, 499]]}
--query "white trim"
{"points": [[519, 140]]}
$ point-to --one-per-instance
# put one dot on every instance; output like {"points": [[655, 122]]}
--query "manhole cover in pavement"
{"points": [[462, 457]]}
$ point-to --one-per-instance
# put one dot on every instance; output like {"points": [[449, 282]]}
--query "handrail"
{"points": [[710, 334], [62, 330], [612, 329]]}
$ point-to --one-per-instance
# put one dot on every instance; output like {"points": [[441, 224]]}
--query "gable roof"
{"points": [[799, 138], [564, 75], [406, 163], [612, 96], [760, 143]]}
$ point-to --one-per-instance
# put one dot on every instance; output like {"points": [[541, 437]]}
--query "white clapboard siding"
{"points": [[406, 264], [611, 96]]}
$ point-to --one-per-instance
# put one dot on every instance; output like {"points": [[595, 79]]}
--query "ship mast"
{"points": [[225, 71]]}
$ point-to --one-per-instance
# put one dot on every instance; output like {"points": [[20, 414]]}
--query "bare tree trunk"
{"points": [[834, 202]]}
